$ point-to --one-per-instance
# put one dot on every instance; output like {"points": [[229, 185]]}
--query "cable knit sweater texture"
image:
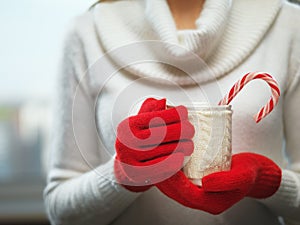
{"points": [[231, 39]]}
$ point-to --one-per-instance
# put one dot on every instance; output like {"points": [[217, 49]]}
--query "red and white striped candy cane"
{"points": [[238, 86]]}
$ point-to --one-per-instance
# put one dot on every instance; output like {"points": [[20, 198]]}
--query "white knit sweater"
{"points": [[232, 38]]}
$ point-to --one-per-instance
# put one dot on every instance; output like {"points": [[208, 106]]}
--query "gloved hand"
{"points": [[150, 147], [251, 175]]}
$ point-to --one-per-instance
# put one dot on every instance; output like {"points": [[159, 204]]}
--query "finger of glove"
{"points": [[240, 177], [127, 131], [152, 104], [241, 172], [155, 170], [157, 118], [158, 135], [145, 154]]}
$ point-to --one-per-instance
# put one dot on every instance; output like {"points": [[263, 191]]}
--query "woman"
{"points": [[101, 80]]}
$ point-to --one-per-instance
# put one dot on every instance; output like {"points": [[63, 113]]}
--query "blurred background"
{"points": [[31, 38]]}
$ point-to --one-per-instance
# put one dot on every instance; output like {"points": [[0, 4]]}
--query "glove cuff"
{"points": [[123, 180]]}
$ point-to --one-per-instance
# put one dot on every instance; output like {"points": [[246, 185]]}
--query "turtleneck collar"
{"points": [[202, 40], [226, 33]]}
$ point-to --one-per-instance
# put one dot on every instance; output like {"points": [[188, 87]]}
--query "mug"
{"points": [[212, 140]]}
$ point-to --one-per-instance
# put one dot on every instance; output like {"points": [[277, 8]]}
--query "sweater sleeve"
{"points": [[286, 201], [81, 187]]}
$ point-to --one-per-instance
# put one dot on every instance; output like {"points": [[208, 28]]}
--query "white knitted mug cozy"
{"points": [[212, 140]]}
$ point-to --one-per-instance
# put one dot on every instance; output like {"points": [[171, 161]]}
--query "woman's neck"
{"points": [[186, 12]]}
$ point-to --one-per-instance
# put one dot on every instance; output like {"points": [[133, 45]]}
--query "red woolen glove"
{"points": [[251, 175], [151, 146]]}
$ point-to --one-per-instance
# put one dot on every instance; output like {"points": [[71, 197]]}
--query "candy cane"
{"points": [[238, 86]]}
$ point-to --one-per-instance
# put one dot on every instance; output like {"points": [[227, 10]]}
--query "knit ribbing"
{"points": [[241, 33], [98, 189], [209, 28], [288, 194], [111, 193]]}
